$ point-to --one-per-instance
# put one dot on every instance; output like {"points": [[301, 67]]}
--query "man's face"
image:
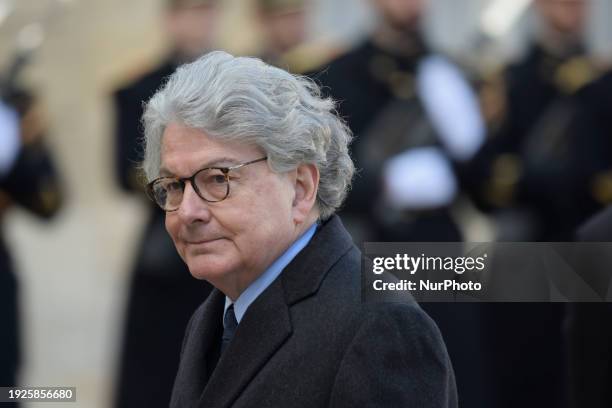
{"points": [[192, 29], [232, 241], [402, 14], [284, 30], [565, 16]]}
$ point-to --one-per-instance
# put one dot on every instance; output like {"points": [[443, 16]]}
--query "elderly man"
{"points": [[250, 164]]}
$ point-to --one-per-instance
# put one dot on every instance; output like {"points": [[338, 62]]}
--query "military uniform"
{"points": [[33, 184], [162, 294], [376, 92], [528, 167], [591, 131], [534, 174]]}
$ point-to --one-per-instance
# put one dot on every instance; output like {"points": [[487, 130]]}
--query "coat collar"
{"points": [[303, 276], [203, 332]]}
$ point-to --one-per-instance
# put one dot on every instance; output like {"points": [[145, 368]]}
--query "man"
{"points": [[283, 27], [250, 164], [531, 176], [413, 115], [160, 290], [28, 178], [527, 159]]}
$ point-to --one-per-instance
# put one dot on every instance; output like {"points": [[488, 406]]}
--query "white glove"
{"points": [[10, 140], [419, 179]]}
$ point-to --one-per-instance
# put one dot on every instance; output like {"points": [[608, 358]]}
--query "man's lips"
{"points": [[202, 241]]}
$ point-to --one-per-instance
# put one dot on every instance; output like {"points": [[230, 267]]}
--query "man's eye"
{"points": [[173, 186], [217, 179]]}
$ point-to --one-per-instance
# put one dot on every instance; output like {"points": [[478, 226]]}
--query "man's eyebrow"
{"points": [[223, 161], [220, 162]]}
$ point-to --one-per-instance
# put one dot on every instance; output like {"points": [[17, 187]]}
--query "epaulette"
{"points": [[601, 187], [575, 73], [310, 57], [135, 72], [500, 189], [49, 199]]}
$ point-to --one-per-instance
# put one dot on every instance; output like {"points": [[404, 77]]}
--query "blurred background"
{"points": [[76, 267]]}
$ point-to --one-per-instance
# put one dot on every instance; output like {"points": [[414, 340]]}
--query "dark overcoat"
{"points": [[310, 341]]}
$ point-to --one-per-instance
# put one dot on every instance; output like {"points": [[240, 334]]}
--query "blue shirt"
{"points": [[265, 279]]}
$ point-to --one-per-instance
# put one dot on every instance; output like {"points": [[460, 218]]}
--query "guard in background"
{"points": [[520, 174], [163, 295], [409, 109], [531, 175], [415, 117], [283, 27], [29, 180]]}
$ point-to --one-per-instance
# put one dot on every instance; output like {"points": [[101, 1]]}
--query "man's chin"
{"points": [[207, 267]]}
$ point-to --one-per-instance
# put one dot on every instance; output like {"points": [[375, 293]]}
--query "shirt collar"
{"points": [[265, 279]]}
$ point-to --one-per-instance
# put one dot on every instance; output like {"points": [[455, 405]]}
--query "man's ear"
{"points": [[306, 187]]}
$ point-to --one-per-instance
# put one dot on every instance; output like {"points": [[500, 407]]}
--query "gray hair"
{"points": [[243, 99]]}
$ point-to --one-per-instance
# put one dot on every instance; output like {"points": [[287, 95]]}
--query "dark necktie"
{"points": [[229, 327]]}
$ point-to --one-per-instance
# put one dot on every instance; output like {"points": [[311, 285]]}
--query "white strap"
{"points": [[452, 106], [10, 140]]}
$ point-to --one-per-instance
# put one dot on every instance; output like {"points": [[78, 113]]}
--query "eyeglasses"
{"points": [[211, 184]]}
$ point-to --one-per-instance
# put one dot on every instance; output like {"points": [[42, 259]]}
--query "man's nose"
{"points": [[193, 208]]}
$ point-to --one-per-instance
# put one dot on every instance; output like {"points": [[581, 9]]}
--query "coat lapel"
{"points": [[261, 332], [203, 334]]}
